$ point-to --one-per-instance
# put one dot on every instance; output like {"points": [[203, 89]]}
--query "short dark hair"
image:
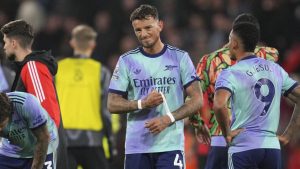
{"points": [[246, 17], [248, 33], [144, 12], [21, 30], [5, 107]]}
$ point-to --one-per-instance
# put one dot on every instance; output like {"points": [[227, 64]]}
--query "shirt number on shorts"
{"points": [[48, 164], [178, 162], [266, 98]]}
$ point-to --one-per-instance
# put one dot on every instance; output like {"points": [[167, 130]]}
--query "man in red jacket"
{"points": [[35, 74]]}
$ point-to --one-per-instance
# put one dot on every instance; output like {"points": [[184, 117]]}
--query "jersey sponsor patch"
{"points": [[116, 72]]}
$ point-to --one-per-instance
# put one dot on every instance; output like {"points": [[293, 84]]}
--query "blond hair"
{"points": [[83, 34]]}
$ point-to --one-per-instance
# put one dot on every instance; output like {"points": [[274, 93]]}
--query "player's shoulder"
{"points": [[220, 54], [64, 62], [17, 97], [221, 50], [175, 49], [266, 52], [219, 58], [131, 53], [178, 53], [226, 74], [34, 66], [268, 61]]}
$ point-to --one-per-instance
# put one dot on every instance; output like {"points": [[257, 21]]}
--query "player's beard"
{"points": [[10, 57], [149, 44]]}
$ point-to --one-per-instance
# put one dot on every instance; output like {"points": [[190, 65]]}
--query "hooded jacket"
{"points": [[35, 75]]}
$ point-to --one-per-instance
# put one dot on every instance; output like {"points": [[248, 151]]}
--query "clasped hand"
{"points": [[157, 124]]}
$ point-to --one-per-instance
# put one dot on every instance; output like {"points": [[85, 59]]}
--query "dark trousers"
{"points": [[263, 158], [87, 157], [217, 158], [24, 163], [161, 160], [62, 155]]}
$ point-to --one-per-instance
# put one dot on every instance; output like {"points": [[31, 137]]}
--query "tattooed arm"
{"points": [[42, 135], [295, 119], [117, 104], [191, 106]]}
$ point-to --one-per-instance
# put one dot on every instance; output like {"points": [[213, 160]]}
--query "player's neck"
{"points": [[21, 54], [86, 53], [243, 55], [156, 48]]}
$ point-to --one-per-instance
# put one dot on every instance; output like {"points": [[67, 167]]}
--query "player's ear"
{"points": [[161, 24], [14, 43], [72, 43], [235, 43], [93, 44]]}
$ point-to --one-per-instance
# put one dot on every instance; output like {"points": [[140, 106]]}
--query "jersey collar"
{"points": [[154, 55]]}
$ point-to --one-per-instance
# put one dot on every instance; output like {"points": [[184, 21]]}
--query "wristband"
{"points": [[171, 117], [139, 104]]}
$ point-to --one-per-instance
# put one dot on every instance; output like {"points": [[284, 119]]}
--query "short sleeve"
{"points": [[288, 84], [187, 71], [119, 81], [224, 81], [34, 114]]}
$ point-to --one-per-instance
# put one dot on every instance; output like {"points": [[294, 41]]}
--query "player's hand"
{"points": [[152, 100], [283, 140], [158, 124], [202, 134], [232, 134]]}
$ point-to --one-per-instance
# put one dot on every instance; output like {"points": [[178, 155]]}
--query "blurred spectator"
{"points": [[32, 12], [291, 62], [51, 36], [127, 43], [3, 18], [107, 36], [219, 35], [82, 86]]}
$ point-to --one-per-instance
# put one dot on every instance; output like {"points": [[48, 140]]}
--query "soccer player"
{"points": [[29, 134], [82, 85], [143, 79], [254, 87], [208, 70], [35, 72]]}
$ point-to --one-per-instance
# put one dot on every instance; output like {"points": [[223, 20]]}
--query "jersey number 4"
{"points": [[265, 91], [178, 162]]}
